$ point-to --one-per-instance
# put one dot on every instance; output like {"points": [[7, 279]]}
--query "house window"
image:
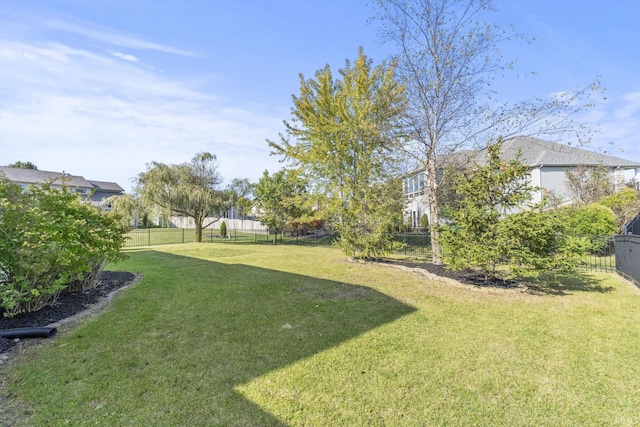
{"points": [[413, 184]]}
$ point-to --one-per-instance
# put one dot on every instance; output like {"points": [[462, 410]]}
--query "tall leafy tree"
{"points": [[448, 55], [280, 198], [189, 189], [625, 204], [344, 136], [589, 184], [23, 165]]}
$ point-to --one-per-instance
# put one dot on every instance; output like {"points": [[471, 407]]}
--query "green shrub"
{"points": [[424, 221], [588, 224], [625, 204], [51, 241], [593, 219], [223, 229], [363, 242]]}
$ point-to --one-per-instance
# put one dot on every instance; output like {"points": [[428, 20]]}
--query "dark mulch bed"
{"points": [[66, 306], [468, 277]]}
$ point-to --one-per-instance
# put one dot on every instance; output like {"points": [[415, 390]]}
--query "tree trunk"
{"points": [[198, 231], [432, 191]]}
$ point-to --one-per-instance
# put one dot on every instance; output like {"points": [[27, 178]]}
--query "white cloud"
{"points": [[630, 110], [113, 37], [70, 109], [618, 120], [125, 56]]}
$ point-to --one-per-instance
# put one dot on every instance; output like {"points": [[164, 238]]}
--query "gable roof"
{"points": [[536, 152], [34, 176], [106, 186]]}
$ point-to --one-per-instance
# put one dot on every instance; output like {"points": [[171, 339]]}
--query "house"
{"points": [[94, 191], [547, 161]]}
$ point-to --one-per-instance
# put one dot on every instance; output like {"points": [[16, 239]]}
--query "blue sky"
{"points": [[101, 88]]}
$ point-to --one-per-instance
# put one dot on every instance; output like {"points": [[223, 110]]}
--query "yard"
{"points": [[253, 334]]}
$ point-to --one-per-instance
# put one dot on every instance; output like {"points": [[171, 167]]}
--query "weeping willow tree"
{"points": [[190, 190], [345, 137], [126, 207]]}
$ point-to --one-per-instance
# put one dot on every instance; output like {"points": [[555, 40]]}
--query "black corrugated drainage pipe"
{"points": [[28, 333]]}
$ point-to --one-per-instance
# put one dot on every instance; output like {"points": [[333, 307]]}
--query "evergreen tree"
{"points": [[495, 229]]}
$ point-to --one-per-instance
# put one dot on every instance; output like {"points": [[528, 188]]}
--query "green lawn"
{"points": [[259, 335]]}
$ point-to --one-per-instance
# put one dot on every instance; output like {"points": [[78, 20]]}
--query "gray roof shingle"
{"points": [[33, 176], [106, 186], [538, 152], [535, 152]]}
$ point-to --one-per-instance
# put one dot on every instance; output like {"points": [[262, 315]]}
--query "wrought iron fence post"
{"points": [[404, 238]]}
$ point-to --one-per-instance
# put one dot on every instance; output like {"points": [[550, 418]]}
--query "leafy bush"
{"points": [[50, 241], [625, 204], [527, 242], [482, 236], [223, 229], [363, 242], [586, 222], [593, 219], [364, 228]]}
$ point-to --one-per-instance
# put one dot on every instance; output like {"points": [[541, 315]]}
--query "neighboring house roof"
{"points": [[34, 176], [109, 187], [101, 189], [538, 152]]}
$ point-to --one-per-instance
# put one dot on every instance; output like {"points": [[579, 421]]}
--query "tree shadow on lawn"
{"points": [[565, 284], [203, 328], [546, 283]]}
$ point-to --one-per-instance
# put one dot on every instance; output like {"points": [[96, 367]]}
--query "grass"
{"points": [[288, 335]]}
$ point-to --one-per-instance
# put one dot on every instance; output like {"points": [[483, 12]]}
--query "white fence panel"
{"points": [[232, 224]]}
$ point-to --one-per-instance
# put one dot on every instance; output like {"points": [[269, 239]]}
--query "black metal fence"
{"points": [[628, 257], [605, 253], [600, 254], [164, 236], [416, 245]]}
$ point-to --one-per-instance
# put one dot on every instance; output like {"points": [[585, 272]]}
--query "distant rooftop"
{"points": [[538, 152], [34, 176]]}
